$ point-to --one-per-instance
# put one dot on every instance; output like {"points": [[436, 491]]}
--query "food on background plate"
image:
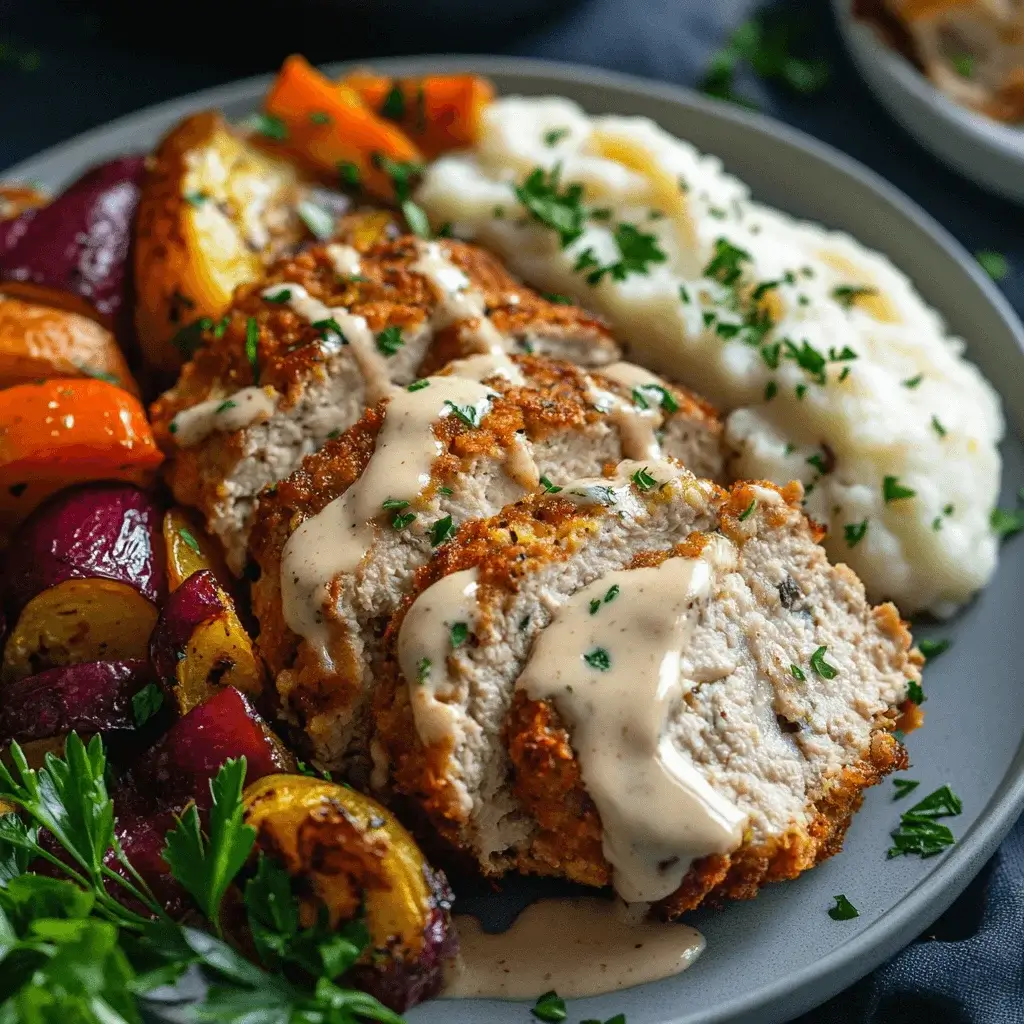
{"points": [[830, 367], [16, 200], [39, 341], [83, 579], [322, 336], [58, 432], [338, 542], [72, 253], [972, 51]]}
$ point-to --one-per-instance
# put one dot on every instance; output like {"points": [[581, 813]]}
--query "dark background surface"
{"points": [[69, 66]]}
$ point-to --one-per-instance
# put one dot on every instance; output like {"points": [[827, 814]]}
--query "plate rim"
{"points": [[820, 980]]}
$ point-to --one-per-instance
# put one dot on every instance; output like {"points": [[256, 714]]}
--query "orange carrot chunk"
{"points": [[327, 126], [439, 112]]}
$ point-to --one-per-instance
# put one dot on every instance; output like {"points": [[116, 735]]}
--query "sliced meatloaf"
{"points": [[301, 354], [337, 542], [645, 680]]}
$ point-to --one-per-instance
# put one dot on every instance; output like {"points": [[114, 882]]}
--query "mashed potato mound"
{"points": [[834, 370]]}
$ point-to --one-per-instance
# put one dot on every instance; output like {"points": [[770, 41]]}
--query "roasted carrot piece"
{"points": [[439, 112], [60, 432], [16, 199], [39, 341], [329, 128]]}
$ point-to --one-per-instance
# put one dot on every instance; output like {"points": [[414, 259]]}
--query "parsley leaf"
{"points": [[643, 479], [269, 126], [1006, 524], [393, 107], [993, 263], [458, 634], [645, 394], [748, 511], [913, 382], [146, 703], [206, 867], [933, 648], [549, 487], [797, 673], [598, 658], [550, 1008], [555, 135], [844, 910], [726, 266], [854, 532], [903, 787], [847, 294], [919, 832], [821, 666], [390, 340], [442, 530], [252, 352], [562, 211], [914, 692], [469, 414], [893, 490]]}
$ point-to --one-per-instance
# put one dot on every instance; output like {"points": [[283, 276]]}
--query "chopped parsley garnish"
{"points": [[844, 910], [348, 174], [146, 703], [252, 347], [418, 385], [467, 413], [555, 136], [320, 117], [938, 427], [807, 357], [903, 787], [800, 390], [748, 511], [550, 1008], [195, 198], [458, 634], [920, 832], [913, 382], [444, 490], [442, 530], [636, 251], [598, 658], [684, 295], [393, 107], [854, 532], [643, 479], [797, 673], [821, 666], [561, 300], [600, 213], [189, 339], [498, 213], [562, 211], [771, 389], [893, 490], [417, 220], [1006, 524], [389, 341], [610, 595], [993, 263], [402, 520], [549, 487], [847, 294], [933, 648], [269, 126], [394, 504], [316, 218], [963, 64], [914, 692], [279, 298], [423, 670], [647, 393], [328, 328], [187, 536], [726, 266], [817, 460]]}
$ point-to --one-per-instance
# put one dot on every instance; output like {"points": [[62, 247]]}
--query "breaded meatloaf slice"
{"points": [[644, 680], [337, 542], [303, 353]]}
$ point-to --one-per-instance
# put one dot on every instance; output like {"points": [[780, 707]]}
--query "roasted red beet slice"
{"points": [[142, 837], [179, 768], [73, 253], [89, 698]]}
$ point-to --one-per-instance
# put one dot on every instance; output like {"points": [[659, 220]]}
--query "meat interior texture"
{"points": [[502, 781], [556, 424], [314, 381]]}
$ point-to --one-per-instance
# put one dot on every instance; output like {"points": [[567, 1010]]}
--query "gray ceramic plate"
{"points": [[772, 958]]}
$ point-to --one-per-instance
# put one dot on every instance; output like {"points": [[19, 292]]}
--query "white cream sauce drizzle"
{"points": [[486, 365], [458, 302], [227, 414], [426, 654], [619, 491], [615, 677], [335, 540], [354, 330], [636, 425], [578, 947], [344, 259]]}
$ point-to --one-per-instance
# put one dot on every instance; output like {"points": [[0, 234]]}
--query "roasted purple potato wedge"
{"points": [[179, 768], [346, 851], [98, 696], [199, 645], [83, 578], [73, 253]]}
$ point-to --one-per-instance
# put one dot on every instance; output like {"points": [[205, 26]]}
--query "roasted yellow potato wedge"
{"points": [[215, 210]]}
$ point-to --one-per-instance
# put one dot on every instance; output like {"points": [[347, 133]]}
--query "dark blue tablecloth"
{"points": [[65, 67]]}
